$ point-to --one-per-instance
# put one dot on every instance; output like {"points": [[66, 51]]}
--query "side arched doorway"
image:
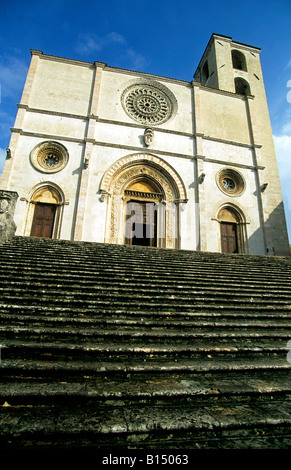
{"points": [[232, 230], [44, 213]]}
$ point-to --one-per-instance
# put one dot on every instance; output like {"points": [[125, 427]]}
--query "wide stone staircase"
{"points": [[107, 346]]}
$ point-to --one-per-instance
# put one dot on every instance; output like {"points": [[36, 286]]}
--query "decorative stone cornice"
{"points": [[46, 136], [143, 194], [36, 52], [105, 66]]}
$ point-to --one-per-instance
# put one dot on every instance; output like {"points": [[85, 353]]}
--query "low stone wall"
{"points": [[8, 201]]}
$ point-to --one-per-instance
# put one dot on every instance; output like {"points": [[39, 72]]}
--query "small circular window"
{"points": [[49, 157], [230, 182]]}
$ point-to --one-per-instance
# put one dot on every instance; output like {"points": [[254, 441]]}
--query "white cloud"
{"points": [[89, 43], [12, 75], [137, 60], [115, 38], [114, 44], [289, 92], [283, 152], [286, 129]]}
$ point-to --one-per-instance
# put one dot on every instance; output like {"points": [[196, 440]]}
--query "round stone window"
{"points": [[230, 182], [148, 103], [49, 157]]}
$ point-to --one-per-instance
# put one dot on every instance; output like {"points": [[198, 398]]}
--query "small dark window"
{"points": [[242, 87], [205, 73], [238, 60]]}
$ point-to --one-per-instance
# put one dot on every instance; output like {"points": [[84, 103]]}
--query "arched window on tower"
{"points": [[238, 60], [205, 73], [242, 87]]}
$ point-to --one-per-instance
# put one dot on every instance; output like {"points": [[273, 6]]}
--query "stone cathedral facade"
{"points": [[103, 154]]}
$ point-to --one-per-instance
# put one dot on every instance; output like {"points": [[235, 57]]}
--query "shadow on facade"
{"points": [[274, 235]]}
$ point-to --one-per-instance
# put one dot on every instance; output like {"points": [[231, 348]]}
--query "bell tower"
{"points": [[234, 69], [230, 66]]}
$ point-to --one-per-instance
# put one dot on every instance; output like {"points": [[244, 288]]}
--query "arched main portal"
{"points": [[143, 196], [144, 219]]}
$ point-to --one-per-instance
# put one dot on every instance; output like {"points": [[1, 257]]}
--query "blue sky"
{"points": [[163, 37]]}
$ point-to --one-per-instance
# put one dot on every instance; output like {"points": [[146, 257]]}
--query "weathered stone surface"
{"points": [[104, 345], [7, 207]]}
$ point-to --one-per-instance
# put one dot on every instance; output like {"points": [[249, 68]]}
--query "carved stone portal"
{"points": [[120, 196]]}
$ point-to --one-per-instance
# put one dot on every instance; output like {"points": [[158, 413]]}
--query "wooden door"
{"points": [[228, 237], [141, 224], [43, 220]]}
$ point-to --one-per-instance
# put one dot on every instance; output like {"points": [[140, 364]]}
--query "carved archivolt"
{"points": [[142, 171], [160, 166], [170, 191]]}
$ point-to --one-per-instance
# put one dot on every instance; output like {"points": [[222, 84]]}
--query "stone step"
{"points": [[196, 388], [221, 315], [149, 303], [19, 243], [58, 294], [151, 308], [112, 321], [222, 342], [152, 267], [133, 281], [133, 346], [36, 278], [136, 255], [153, 259], [148, 426], [147, 330], [24, 359], [134, 350], [132, 275], [101, 287]]}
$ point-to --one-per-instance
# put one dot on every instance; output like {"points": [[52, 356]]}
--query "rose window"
{"points": [[148, 104]]}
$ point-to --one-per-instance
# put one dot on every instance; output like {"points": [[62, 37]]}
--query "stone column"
{"points": [[8, 201], [200, 217], [89, 143]]}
